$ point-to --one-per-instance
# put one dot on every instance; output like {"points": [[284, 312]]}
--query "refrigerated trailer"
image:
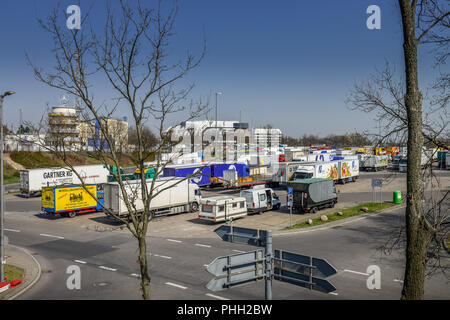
{"points": [[177, 195], [341, 171], [33, 180]]}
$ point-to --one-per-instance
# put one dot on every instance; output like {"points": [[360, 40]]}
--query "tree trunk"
{"points": [[145, 275], [417, 236]]}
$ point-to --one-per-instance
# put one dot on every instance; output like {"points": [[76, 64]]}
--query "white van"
{"points": [[261, 199], [222, 208]]}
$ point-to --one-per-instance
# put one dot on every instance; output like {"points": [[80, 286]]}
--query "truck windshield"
{"points": [[301, 175]]}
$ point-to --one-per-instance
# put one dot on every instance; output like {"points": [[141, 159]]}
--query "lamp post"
{"points": [[217, 94], [2, 193]]}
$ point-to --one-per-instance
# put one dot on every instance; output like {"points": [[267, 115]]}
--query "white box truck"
{"points": [[341, 171], [33, 180], [374, 163], [179, 195]]}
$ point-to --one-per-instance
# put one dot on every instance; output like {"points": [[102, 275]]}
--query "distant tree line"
{"points": [[346, 140]]}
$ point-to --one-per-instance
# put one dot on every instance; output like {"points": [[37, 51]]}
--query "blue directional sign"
{"points": [[252, 237], [290, 190]]}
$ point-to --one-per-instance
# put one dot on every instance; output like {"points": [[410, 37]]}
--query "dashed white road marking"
{"points": [[135, 275], [333, 293], [158, 255], [171, 240], [216, 297], [107, 268], [202, 245], [51, 236], [397, 280], [80, 261], [175, 285], [12, 230], [356, 272]]}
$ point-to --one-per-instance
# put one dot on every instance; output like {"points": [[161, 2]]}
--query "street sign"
{"points": [[252, 237], [237, 269], [290, 190], [304, 271], [377, 183], [221, 266]]}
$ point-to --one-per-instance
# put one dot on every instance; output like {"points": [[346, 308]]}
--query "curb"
{"points": [[340, 222], [36, 279]]}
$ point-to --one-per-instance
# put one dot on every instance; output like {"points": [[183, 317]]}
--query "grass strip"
{"points": [[346, 213]]}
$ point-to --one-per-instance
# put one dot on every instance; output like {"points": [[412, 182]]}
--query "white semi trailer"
{"points": [[33, 180], [178, 195], [340, 170]]}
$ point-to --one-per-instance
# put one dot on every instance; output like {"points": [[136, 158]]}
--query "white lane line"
{"points": [[12, 230], [171, 240], [356, 272], [397, 280], [135, 275], [51, 236], [79, 261], [165, 257], [175, 285], [216, 297], [333, 293], [107, 268], [202, 245], [239, 251]]}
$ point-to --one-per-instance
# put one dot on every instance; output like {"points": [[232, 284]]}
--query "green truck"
{"points": [[311, 195]]}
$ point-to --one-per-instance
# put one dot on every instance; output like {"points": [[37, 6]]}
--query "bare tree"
{"points": [[132, 55], [399, 106]]}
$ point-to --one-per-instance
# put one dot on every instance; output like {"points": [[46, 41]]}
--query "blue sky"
{"points": [[290, 63]]}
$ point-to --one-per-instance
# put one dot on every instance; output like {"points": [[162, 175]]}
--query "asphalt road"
{"points": [[177, 264]]}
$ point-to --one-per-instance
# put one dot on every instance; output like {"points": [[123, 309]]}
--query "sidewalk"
{"points": [[21, 258]]}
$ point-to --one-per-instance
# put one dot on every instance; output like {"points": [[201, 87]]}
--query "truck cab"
{"points": [[303, 172]]}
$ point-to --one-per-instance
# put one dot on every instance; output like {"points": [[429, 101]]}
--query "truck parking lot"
{"points": [[189, 225]]}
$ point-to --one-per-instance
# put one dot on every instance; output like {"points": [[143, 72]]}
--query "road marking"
{"points": [[239, 251], [171, 240], [106, 268], [12, 230], [333, 293], [175, 285], [135, 275], [356, 272], [202, 245], [205, 265], [217, 297], [157, 255], [51, 236], [397, 280], [79, 261]]}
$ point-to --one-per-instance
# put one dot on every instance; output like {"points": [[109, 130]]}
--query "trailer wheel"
{"points": [[63, 214], [194, 206], [71, 214], [313, 210]]}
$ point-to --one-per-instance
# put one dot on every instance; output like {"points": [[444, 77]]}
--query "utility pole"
{"points": [[2, 191]]}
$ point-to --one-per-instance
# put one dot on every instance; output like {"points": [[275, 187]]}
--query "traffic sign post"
{"points": [[237, 269], [377, 183], [290, 203], [304, 271]]}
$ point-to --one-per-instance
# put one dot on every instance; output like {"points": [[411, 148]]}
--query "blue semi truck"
{"points": [[207, 174]]}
